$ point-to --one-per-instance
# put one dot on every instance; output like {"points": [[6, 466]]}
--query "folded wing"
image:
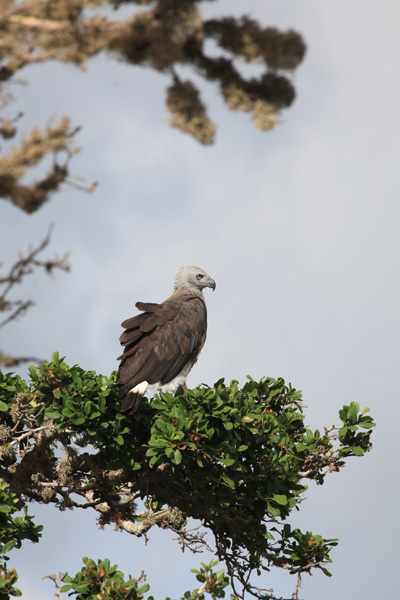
{"points": [[159, 344]]}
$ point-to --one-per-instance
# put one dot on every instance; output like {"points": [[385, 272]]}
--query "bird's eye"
{"points": [[199, 276]]}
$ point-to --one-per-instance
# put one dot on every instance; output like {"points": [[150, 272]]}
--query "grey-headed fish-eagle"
{"points": [[164, 341]]}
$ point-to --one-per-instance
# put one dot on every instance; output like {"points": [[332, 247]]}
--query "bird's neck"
{"points": [[178, 292]]}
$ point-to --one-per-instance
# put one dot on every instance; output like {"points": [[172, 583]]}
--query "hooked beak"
{"points": [[211, 284]]}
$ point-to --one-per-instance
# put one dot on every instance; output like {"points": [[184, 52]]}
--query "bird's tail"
{"points": [[130, 402]]}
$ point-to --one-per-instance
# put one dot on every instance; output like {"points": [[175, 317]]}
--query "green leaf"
{"points": [[366, 425], [280, 499], [66, 412], [352, 412], [3, 406], [227, 461], [177, 457], [229, 482], [273, 510], [94, 415], [52, 414], [81, 587], [8, 546], [161, 424], [56, 359], [357, 451], [33, 373], [300, 447], [153, 461], [87, 408]]}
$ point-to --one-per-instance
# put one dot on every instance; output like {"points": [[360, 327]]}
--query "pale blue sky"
{"points": [[300, 229]]}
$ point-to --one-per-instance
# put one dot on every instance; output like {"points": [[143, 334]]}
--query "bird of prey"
{"points": [[164, 341]]}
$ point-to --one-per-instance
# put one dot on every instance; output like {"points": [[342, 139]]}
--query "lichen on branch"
{"points": [[163, 35]]}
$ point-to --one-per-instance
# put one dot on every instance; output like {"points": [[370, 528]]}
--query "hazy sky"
{"points": [[300, 229]]}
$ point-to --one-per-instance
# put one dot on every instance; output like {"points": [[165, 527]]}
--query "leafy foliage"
{"points": [[237, 459], [13, 530], [102, 581]]}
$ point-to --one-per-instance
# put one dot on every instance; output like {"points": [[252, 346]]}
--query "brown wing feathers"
{"points": [[160, 342]]}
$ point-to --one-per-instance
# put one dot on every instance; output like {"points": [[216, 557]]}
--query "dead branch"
{"points": [[23, 267]]}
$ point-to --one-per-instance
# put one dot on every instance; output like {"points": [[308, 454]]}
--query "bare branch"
{"points": [[58, 580], [9, 361], [35, 23], [23, 267], [150, 518], [195, 542]]}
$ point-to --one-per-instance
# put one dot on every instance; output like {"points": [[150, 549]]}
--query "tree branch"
{"points": [[23, 267]]}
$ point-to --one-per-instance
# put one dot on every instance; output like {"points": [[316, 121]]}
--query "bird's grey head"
{"points": [[193, 279]]}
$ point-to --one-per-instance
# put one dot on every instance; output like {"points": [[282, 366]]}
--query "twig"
{"points": [[58, 580], [195, 543], [35, 23], [295, 595], [14, 361], [23, 267]]}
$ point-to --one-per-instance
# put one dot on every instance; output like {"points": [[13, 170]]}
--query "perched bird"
{"points": [[164, 341]]}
